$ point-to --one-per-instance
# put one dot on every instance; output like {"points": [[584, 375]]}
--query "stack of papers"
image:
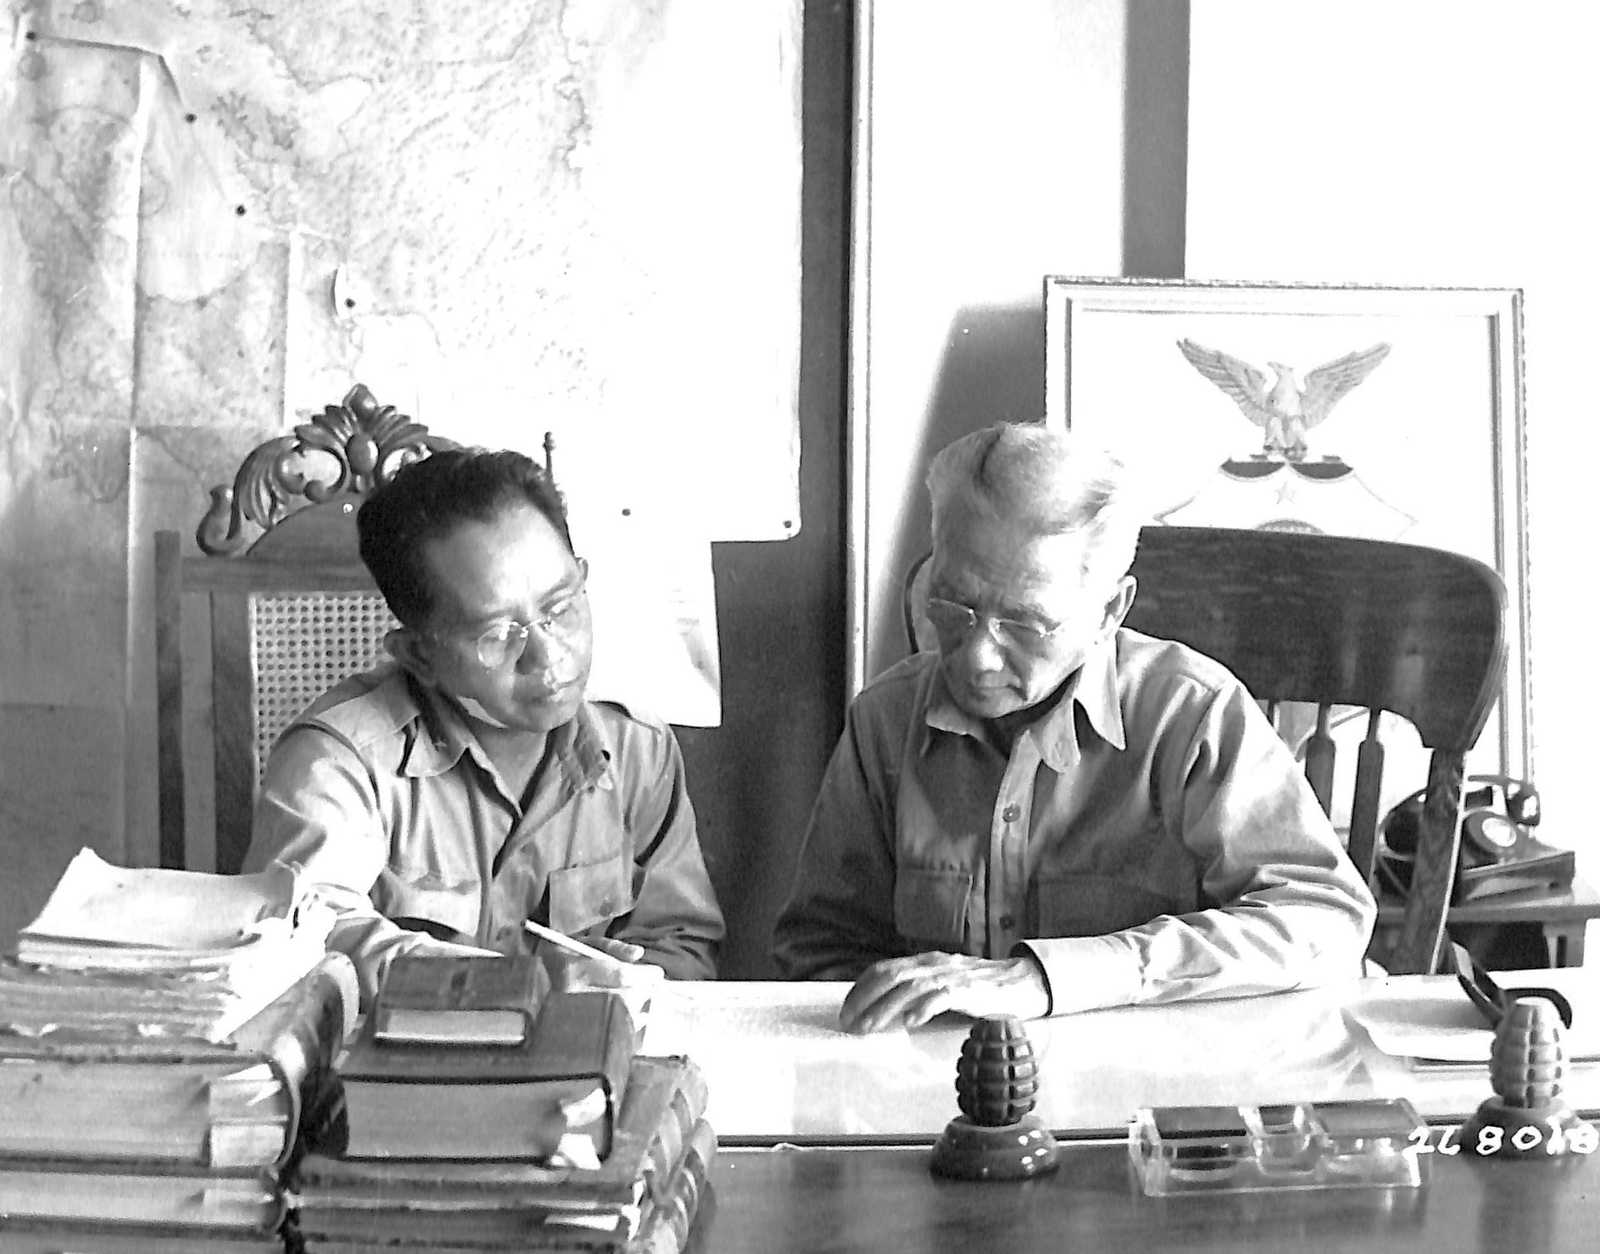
{"points": [[132, 917], [159, 952]]}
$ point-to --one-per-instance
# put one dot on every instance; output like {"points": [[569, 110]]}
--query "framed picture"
{"points": [[1384, 412]]}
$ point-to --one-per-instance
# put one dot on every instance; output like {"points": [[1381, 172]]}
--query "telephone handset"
{"points": [[1499, 853]]}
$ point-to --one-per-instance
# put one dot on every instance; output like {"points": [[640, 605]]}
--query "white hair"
{"points": [[1048, 480]]}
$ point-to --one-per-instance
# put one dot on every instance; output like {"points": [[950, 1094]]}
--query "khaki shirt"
{"points": [[382, 795], [1149, 838]]}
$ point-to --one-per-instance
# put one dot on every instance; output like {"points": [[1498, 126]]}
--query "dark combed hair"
{"points": [[429, 498]]}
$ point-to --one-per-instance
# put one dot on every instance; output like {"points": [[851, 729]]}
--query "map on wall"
{"points": [[505, 218]]}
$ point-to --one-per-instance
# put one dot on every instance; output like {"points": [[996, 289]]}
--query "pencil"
{"points": [[562, 941]]}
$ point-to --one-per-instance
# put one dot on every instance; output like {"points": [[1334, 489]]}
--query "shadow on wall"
{"points": [[992, 371]]}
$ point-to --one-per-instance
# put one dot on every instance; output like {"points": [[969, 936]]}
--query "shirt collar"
{"points": [[443, 736], [1091, 688]]}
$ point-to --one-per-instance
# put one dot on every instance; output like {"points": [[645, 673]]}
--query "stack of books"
{"points": [[477, 1113], [161, 1033]]}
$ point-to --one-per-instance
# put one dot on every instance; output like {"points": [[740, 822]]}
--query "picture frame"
{"points": [[1392, 413]]}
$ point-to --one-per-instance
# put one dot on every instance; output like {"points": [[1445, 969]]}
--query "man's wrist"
{"points": [[1030, 963]]}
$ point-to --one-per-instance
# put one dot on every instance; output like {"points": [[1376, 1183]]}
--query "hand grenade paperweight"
{"points": [[996, 1136], [1527, 1117]]}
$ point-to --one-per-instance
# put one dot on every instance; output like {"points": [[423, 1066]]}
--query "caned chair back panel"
{"points": [[301, 645], [291, 610], [1336, 622]]}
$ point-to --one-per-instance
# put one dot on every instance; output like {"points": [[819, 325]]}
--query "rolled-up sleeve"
{"points": [[318, 809], [1285, 907]]}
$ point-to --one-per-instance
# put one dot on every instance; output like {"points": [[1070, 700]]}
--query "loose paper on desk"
{"points": [[782, 1064], [1450, 1029], [190, 913]]}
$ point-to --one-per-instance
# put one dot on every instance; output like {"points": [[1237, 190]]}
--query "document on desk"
{"points": [[779, 1064], [1430, 1020], [780, 1068]]}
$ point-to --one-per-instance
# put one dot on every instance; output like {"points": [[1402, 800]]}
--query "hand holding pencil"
{"points": [[614, 954], [585, 964]]}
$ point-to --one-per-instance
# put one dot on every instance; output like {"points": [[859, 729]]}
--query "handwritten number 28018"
{"points": [[1583, 1139]]}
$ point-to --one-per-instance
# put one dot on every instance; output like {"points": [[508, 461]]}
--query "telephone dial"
{"points": [[1499, 853]]}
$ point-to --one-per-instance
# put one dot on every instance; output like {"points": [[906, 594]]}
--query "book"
{"points": [[671, 1106], [659, 1224], [665, 1097], [200, 1004], [49, 1236], [654, 1243], [459, 999], [670, 1212], [554, 1094], [154, 1098], [58, 1191], [650, 1183]]}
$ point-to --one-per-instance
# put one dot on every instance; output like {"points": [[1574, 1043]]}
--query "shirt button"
{"points": [[1011, 813], [1007, 921]]}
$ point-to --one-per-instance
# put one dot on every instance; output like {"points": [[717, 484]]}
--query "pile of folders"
{"points": [[474, 1112]]}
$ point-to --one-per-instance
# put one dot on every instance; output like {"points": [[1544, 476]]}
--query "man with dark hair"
{"points": [[467, 786]]}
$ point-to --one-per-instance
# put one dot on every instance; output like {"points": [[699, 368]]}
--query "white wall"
{"points": [[994, 156], [1438, 142]]}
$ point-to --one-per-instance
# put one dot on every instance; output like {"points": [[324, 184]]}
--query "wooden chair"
{"points": [[291, 611], [1335, 622]]}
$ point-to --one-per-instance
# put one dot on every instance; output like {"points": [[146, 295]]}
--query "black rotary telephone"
{"points": [[1499, 853]]}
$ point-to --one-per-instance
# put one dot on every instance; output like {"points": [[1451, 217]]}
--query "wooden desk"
{"points": [[841, 1200], [1560, 918]]}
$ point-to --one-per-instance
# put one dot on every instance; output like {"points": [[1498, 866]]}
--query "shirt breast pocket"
{"points": [[591, 895], [427, 897], [930, 905], [1093, 905]]}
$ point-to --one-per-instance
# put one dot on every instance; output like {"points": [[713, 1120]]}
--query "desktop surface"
{"points": [[826, 1137], [884, 1200], [781, 1070]]}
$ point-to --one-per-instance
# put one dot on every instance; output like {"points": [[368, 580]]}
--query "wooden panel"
{"points": [[1320, 758], [1434, 872], [239, 575], [780, 605], [170, 770], [232, 707], [1315, 618], [1364, 807], [61, 789], [884, 1200]]}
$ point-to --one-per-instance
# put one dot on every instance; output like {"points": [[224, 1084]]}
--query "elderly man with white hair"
{"points": [[1055, 813]]}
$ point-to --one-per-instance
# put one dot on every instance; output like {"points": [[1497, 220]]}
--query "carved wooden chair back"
{"points": [[1338, 622], [291, 608]]}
